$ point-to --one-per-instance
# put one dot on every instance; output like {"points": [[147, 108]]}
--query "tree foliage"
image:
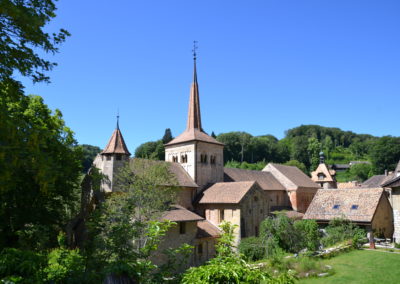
{"points": [[89, 153], [40, 166], [22, 36]]}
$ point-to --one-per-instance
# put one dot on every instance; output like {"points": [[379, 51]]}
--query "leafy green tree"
{"points": [[299, 150], [167, 136], [40, 167], [360, 172], [313, 148], [22, 37], [125, 230], [340, 230], [151, 150], [385, 154], [89, 153], [309, 234]]}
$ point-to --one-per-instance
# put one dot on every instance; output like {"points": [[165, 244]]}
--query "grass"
{"points": [[362, 266]]}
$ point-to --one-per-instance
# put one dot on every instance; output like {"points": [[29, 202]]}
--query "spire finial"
{"points": [[194, 49], [118, 118]]}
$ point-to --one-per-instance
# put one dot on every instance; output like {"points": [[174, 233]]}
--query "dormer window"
{"points": [[321, 176], [203, 158], [184, 158], [175, 159]]}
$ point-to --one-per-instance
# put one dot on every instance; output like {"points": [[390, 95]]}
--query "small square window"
{"points": [[182, 228], [354, 207], [336, 206]]}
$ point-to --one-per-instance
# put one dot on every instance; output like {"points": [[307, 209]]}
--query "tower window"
{"points": [[221, 215], [108, 157], [118, 157], [175, 159], [203, 158], [212, 159], [184, 158]]}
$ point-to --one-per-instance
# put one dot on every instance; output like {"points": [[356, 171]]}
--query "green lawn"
{"points": [[362, 266]]}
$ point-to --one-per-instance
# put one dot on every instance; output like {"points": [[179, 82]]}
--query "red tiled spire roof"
{"points": [[116, 144], [194, 130]]}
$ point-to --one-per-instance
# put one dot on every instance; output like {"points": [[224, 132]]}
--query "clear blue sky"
{"points": [[263, 66]]}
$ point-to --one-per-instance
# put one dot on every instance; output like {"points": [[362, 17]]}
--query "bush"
{"points": [[340, 230], [251, 248], [309, 234]]}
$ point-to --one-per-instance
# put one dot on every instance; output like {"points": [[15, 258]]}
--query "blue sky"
{"points": [[263, 66]]}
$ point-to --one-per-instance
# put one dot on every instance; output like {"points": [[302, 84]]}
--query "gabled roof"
{"points": [[207, 230], [323, 169], [227, 192], [116, 144], [265, 179], [392, 179], [194, 130], [374, 181], [178, 213], [328, 204], [290, 176], [183, 179]]}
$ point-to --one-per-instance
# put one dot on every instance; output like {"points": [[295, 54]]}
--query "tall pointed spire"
{"points": [[194, 115]]}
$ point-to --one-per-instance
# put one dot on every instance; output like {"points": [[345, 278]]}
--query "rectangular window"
{"points": [[182, 228], [119, 157], [108, 157], [200, 249], [221, 215], [336, 206], [354, 207]]}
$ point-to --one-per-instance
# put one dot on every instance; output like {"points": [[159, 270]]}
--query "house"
{"points": [[299, 187], [393, 184], [322, 175], [366, 207]]}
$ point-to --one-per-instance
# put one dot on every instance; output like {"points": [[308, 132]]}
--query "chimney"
{"points": [[386, 172]]}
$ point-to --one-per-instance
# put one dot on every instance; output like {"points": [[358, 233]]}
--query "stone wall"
{"points": [[396, 212]]}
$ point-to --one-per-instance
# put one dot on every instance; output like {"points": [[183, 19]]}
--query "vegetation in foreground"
{"points": [[362, 266]]}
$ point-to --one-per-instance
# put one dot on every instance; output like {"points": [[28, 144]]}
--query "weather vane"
{"points": [[194, 49]]}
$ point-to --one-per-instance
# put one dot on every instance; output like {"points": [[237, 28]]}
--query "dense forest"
{"points": [[300, 147]]}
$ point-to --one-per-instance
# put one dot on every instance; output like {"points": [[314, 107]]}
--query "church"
{"points": [[209, 193]]}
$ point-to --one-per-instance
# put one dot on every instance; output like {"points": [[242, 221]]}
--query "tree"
{"points": [[385, 153], [22, 37], [89, 153], [213, 135], [40, 169], [313, 148], [125, 230], [360, 172], [151, 150], [167, 136]]}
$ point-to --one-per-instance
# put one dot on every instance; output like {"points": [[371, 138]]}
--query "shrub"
{"points": [[309, 234], [340, 230], [252, 248]]}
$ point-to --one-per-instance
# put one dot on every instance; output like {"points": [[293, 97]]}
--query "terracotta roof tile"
{"points": [[207, 230], [227, 192], [295, 175], [265, 179], [116, 144], [328, 204], [182, 177], [373, 182], [178, 213]]}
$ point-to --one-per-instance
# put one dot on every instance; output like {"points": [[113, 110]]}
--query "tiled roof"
{"points": [[178, 213], [294, 215], [116, 144], [295, 175], [227, 192], [355, 204], [373, 182], [265, 179], [323, 169], [182, 177], [394, 181], [193, 134], [207, 230], [348, 184]]}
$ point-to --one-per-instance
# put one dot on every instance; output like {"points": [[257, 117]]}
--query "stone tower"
{"points": [[199, 154], [111, 158]]}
